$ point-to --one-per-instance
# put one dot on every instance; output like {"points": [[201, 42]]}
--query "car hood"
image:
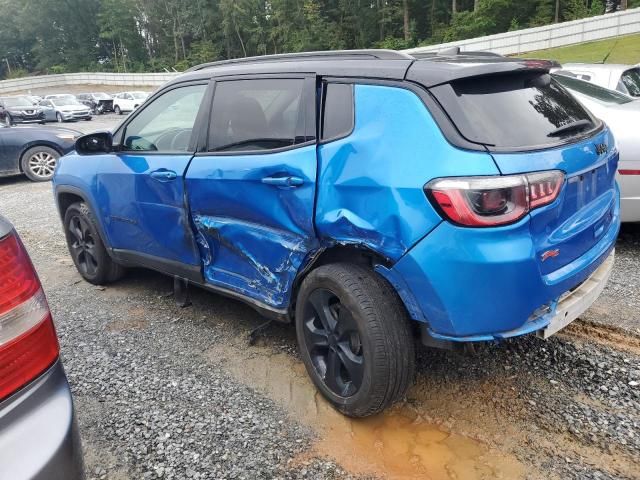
{"points": [[22, 109]]}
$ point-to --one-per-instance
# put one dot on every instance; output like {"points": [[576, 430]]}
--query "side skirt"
{"points": [[193, 274]]}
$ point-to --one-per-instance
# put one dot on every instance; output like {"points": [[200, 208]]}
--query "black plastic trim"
{"points": [[325, 82]]}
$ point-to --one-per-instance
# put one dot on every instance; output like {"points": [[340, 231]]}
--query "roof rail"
{"points": [[379, 54]]}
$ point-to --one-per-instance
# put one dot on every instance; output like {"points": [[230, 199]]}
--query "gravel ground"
{"points": [[164, 392]]}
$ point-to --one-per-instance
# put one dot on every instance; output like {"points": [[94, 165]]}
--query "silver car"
{"points": [[38, 432], [62, 108], [623, 78], [622, 114]]}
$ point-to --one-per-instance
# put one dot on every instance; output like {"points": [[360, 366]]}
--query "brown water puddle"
{"points": [[397, 444]]}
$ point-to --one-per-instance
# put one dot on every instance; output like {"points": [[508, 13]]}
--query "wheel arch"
{"points": [[66, 196], [38, 143], [337, 253]]}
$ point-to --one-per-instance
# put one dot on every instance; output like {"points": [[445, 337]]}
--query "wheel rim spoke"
{"points": [[320, 301], [353, 364], [333, 342], [316, 337]]}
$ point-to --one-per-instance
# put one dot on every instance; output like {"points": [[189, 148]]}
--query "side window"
{"points": [[260, 114], [165, 125], [338, 111], [631, 80]]}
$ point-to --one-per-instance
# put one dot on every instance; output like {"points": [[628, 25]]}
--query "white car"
{"points": [[623, 78], [622, 114], [128, 101]]}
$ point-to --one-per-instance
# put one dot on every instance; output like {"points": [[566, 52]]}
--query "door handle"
{"points": [[164, 175], [283, 181]]}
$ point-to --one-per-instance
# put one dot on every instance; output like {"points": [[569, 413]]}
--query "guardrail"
{"points": [[51, 81], [549, 36]]}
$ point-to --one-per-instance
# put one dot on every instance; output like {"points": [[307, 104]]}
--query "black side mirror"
{"points": [[100, 142]]}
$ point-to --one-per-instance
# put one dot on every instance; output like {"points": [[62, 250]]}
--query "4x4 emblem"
{"points": [[601, 148]]}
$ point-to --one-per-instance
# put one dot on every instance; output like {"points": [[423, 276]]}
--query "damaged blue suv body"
{"points": [[364, 195]]}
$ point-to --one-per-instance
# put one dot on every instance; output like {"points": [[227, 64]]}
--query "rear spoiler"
{"points": [[438, 70]]}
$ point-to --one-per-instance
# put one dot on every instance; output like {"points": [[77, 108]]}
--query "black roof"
{"points": [[428, 70]]}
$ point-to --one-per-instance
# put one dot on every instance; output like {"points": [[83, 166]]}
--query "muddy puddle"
{"points": [[397, 444]]}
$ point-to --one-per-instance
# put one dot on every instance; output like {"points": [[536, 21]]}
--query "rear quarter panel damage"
{"points": [[370, 184]]}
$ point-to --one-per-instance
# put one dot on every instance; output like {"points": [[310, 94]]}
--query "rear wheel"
{"points": [[117, 110], [354, 338], [39, 163], [59, 117], [86, 248]]}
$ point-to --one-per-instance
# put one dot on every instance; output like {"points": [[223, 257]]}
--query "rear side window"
{"points": [[260, 114], [337, 118], [631, 80], [514, 112]]}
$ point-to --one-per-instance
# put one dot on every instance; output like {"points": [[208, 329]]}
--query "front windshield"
{"points": [[64, 101], [140, 95], [591, 90], [17, 102]]}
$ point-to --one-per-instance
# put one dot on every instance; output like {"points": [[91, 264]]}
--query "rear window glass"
{"points": [[631, 80], [592, 90], [515, 111]]}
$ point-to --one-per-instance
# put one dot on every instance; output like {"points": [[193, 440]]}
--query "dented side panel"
{"points": [[254, 236], [370, 185]]}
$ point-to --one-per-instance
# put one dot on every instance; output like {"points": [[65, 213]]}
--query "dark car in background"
{"points": [[39, 437], [98, 102], [33, 151], [20, 109]]}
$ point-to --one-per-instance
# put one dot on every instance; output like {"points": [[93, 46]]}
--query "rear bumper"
{"points": [[486, 284], [38, 431]]}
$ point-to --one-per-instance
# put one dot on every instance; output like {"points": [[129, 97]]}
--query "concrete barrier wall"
{"points": [[49, 81], [549, 36]]}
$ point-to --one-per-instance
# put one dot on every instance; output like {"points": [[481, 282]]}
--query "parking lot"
{"points": [[166, 392]]}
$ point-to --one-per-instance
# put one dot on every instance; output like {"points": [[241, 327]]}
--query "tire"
{"points": [[8, 121], [370, 341], [88, 119], [42, 122], [117, 110], [86, 248], [59, 118], [38, 163]]}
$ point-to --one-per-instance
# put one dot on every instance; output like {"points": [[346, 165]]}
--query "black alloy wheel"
{"points": [[333, 340], [355, 338], [86, 248], [83, 246]]}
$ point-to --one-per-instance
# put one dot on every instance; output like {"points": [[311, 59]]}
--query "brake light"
{"points": [[28, 342], [629, 172], [492, 201]]}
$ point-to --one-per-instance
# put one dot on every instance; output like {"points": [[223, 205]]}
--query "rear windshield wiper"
{"points": [[577, 125]]}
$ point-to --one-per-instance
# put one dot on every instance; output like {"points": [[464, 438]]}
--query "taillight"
{"points": [[28, 342], [492, 201]]}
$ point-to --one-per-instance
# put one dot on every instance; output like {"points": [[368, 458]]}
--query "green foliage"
{"points": [[56, 36]]}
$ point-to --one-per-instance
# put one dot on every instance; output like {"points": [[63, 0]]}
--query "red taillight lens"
{"points": [[491, 201], [28, 342]]}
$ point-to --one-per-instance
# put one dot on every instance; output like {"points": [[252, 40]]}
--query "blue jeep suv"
{"points": [[369, 197]]}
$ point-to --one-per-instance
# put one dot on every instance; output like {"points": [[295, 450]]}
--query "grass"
{"points": [[623, 50]]}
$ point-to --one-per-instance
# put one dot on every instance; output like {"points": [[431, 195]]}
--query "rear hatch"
{"points": [[528, 122]]}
